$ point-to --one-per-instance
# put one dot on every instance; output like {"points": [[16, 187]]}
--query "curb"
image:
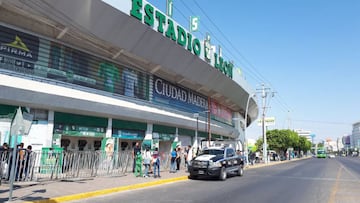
{"points": [[276, 163], [108, 191]]}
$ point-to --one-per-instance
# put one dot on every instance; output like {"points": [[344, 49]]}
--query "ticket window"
{"points": [[65, 143], [124, 146], [81, 144], [97, 145]]}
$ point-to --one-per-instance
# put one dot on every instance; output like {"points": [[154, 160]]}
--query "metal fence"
{"points": [[55, 165]]}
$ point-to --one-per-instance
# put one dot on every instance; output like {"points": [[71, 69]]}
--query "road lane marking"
{"points": [[349, 172], [335, 187]]}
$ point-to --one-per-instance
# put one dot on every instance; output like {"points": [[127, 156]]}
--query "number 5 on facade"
{"points": [[194, 23]]}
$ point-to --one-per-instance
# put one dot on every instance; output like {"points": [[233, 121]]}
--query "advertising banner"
{"points": [[221, 113], [18, 51], [168, 94], [27, 54]]}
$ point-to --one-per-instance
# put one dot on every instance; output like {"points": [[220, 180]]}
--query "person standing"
{"points": [[173, 161], [20, 161], [4, 147], [147, 161], [4, 154], [139, 161], [136, 149], [178, 158], [29, 162], [189, 157], [257, 157], [186, 151], [156, 163]]}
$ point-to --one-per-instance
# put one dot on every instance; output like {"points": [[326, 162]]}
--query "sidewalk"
{"points": [[62, 191]]}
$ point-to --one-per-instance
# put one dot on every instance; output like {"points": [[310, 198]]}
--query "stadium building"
{"points": [[92, 74]]}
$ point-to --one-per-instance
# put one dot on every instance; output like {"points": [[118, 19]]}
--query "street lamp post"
{"points": [[196, 115], [209, 124]]}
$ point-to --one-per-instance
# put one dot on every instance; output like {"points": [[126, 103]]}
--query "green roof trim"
{"points": [[182, 131], [164, 129], [82, 120], [130, 125]]}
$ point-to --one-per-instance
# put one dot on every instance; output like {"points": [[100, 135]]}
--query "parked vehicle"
{"points": [[216, 162]]}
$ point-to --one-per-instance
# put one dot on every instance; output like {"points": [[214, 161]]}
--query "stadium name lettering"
{"points": [[165, 25]]}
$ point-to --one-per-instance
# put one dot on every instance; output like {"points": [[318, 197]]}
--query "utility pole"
{"points": [[265, 92]]}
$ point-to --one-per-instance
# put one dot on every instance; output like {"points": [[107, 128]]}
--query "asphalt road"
{"points": [[310, 180]]}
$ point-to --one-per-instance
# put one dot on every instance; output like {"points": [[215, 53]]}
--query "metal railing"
{"points": [[65, 165]]}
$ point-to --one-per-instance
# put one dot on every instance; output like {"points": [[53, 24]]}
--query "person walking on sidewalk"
{"points": [[138, 168], [156, 163], [136, 149], [147, 161], [173, 161]]}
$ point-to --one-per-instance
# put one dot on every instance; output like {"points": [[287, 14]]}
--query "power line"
{"points": [[231, 44], [257, 74], [251, 73], [282, 104], [250, 69], [248, 72]]}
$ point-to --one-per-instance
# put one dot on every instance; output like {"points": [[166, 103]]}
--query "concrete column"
{"points": [[109, 129], [50, 130], [149, 131], [176, 135], [149, 136]]}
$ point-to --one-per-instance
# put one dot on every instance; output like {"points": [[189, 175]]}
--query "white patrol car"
{"points": [[216, 162]]}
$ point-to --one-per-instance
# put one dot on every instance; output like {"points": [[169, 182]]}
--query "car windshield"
{"points": [[213, 151]]}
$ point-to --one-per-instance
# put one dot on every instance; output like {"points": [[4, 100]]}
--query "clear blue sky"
{"points": [[308, 51]]}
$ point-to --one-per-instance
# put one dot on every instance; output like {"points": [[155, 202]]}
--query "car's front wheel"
{"points": [[240, 171], [223, 174]]}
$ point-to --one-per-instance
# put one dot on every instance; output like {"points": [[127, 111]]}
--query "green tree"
{"points": [[281, 140], [304, 144]]}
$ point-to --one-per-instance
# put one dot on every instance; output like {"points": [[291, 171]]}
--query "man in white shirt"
{"points": [[189, 156]]}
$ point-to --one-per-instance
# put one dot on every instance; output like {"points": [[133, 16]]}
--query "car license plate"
{"points": [[201, 172]]}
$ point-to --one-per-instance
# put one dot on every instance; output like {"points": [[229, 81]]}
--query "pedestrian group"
{"points": [[151, 160]]}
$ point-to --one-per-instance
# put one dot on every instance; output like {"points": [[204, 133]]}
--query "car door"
{"points": [[230, 156]]}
